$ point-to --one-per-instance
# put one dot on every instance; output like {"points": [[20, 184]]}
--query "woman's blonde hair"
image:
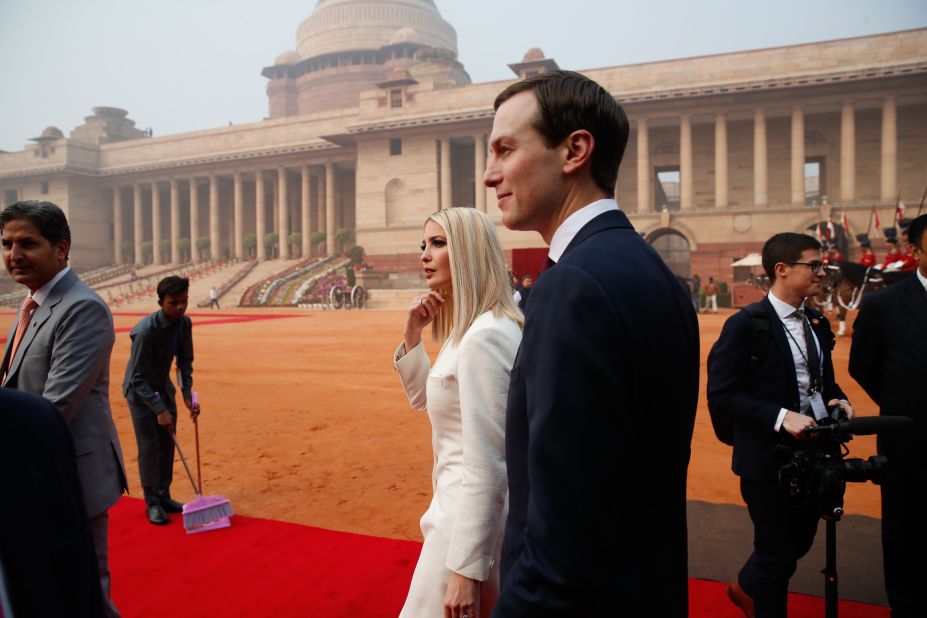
{"points": [[478, 275]]}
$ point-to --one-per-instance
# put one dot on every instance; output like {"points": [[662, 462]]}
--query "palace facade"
{"points": [[374, 123]]}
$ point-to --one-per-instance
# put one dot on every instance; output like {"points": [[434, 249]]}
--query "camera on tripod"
{"points": [[819, 474]]}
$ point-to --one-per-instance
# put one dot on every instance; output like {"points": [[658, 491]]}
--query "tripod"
{"points": [[830, 565]]}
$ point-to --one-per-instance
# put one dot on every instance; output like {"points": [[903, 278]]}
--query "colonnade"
{"points": [[479, 167], [323, 200], [888, 157]]}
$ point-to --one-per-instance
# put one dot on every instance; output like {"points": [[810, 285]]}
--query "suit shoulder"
{"points": [[738, 323]]}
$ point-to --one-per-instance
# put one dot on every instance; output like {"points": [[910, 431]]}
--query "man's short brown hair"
{"points": [[567, 102]]}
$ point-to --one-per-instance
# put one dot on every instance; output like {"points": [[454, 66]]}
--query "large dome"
{"points": [[351, 25]]}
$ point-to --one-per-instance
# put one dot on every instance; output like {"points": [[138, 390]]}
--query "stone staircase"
{"points": [[262, 271], [135, 297]]}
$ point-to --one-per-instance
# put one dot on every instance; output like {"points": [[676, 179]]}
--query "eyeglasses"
{"points": [[815, 266]]}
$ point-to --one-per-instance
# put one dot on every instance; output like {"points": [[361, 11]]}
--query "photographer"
{"points": [[770, 376], [888, 359]]}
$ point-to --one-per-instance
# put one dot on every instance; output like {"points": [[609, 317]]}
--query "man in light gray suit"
{"points": [[59, 348]]}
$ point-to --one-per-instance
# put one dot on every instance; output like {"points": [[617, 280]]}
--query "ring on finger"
{"points": [[421, 301]]}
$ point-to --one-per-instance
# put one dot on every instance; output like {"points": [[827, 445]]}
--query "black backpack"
{"points": [[759, 344]]}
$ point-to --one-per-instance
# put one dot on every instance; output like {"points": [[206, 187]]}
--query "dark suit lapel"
{"points": [[609, 219], [915, 302], [42, 315]]}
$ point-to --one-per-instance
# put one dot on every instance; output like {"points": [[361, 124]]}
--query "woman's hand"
{"points": [[462, 599], [422, 312]]}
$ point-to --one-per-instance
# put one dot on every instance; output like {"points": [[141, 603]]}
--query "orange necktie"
{"points": [[25, 317]]}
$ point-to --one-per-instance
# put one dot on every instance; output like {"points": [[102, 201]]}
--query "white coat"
{"points": [[465, 396]]}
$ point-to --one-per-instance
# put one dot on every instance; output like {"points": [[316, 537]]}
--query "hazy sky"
{"points": [[186, 65]]}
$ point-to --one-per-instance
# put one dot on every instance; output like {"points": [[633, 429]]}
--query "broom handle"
{"points": [[184, 460], [199, 473]]}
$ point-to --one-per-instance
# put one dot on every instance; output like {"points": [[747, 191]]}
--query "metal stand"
{"points": [[830, 570]]}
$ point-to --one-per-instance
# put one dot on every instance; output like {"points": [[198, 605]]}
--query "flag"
{"points": [[899, 211], [846, 224], [830, 227], [876, 224]]}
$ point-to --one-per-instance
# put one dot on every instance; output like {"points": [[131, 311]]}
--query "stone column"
{"points": [[798, 155], [330, 208], [479, 168], [175, 222], [214, 217], [305, 214], [137, 224], [847, 152], [260, 223], [283, 221], [117, 225], [194, 219], [320, 204], [685, 162], [889, 150], [155, 224], [644, 181], [760, 175], [238, 224], [721, 161], [447, 192]]}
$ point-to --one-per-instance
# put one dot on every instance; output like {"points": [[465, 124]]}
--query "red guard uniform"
{"points": [[910, 262], [868, 258], [894, 254]]}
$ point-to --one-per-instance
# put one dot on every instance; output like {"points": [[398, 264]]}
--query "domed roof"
{"points": [[288, 57], [351, 25], [533, 54], [52, 133], [406, 35]]}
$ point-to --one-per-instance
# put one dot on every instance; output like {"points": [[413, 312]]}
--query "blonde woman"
{"points": [[470, 308]]}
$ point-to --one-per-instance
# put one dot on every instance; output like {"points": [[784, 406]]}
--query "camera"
{"points": [[818, 473]]}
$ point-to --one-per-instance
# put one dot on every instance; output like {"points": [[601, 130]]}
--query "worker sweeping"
{"points": [[158, 340]]}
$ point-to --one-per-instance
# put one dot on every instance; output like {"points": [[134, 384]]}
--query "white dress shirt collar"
{"points": [[783, 309], [922, 278], [42, 293], [574, 223]]}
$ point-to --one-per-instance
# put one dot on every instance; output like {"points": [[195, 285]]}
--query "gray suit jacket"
{"points": [[64, 357]]}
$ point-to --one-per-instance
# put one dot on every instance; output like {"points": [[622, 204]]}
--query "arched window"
{"points": [[395, 198], [674, 249]]}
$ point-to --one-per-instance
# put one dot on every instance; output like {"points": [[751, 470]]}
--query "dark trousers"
{"points": [[782, 534], [155, 453], [904, 542], [99, 526], [214, 301]]}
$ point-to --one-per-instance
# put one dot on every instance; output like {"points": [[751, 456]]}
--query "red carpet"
{"points": [[260, 567]]}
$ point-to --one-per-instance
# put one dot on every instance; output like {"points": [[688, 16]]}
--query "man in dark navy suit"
{"points": [[889, 360], [46, 545], [787, 388], [604, 388]]}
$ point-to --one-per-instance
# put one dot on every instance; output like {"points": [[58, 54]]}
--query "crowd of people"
{"points": [[547, 406]]}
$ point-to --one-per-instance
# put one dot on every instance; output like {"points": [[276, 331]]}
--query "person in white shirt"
{"points": [[772, 394], [470, 308]]}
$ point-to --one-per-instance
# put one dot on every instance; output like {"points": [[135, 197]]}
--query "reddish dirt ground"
{"points": [[304, 421]]}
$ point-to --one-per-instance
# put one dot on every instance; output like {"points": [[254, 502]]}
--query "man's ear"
{"points": [[62, 249], [578, 147], [781, 270]]}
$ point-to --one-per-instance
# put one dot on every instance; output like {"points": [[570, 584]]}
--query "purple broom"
{"points": [[203, 512]]}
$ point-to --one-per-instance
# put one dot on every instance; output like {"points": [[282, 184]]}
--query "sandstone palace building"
{"points": [[373, 123]]}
